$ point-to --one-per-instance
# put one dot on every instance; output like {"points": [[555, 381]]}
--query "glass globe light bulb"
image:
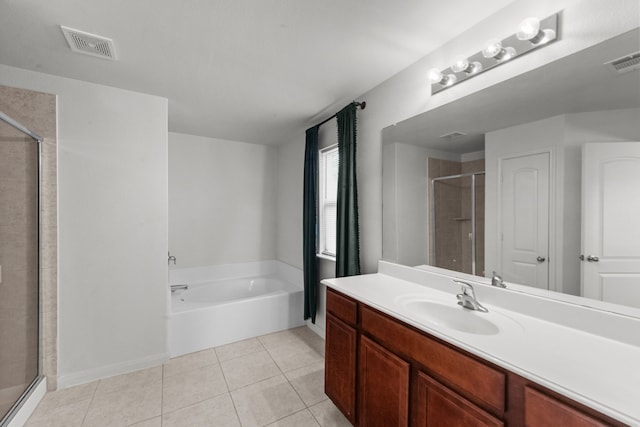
{"points": [[450, 79], [475, 67], [461, 64], [435, 76], [492, 49], [548, 35], [509, 52], [528, 29]]}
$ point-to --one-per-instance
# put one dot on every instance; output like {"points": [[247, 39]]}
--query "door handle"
{"points": [[592, 258], [541, 259]]}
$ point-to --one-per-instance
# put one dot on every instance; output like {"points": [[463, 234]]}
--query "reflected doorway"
{"points": [[457, 225]]}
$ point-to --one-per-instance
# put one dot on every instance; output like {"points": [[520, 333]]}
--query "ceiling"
{"points": [[246, 70]]}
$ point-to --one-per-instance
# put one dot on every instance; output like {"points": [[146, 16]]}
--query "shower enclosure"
{"points": [[19, 264], [457, 223]]}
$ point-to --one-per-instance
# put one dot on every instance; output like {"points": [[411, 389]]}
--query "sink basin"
{"points": [[452, 316]]}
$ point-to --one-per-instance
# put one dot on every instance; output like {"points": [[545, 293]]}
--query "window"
{"points": [[328, 200]]}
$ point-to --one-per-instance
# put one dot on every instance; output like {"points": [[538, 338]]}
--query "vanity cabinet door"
{"points": [[541, 410], [383, 392], [340, 366], [438, 406]]}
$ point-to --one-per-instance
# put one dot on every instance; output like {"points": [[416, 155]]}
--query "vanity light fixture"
{"points": [[462, 65], [529, 29], [495, 50], [532, 34], [436, 77]]}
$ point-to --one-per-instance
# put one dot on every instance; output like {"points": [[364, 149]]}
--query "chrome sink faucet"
{"points": [[496, 280], [467, 298]]}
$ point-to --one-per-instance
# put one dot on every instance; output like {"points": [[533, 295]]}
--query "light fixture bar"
{"points": [[530, 36]]}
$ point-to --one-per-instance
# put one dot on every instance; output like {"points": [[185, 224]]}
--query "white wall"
{"points": [[112, 210], [584, 23], [222, 201], [405, 205]]}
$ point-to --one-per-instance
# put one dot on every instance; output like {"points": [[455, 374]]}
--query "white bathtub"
{"points": [[231, 305]]}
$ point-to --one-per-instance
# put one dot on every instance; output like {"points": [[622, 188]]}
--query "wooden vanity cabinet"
{"points": [[383, 386], [382, 372], [340, 353]]}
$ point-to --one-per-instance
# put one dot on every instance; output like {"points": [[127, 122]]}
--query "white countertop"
{"points": [[590, 368]]}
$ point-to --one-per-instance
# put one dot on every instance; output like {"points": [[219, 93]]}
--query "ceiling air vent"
{"points": [[89, 44], [451, 136], [625, 64]]}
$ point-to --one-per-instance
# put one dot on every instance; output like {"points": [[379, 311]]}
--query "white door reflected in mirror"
{"points": [[524, 201], [611, 222]]}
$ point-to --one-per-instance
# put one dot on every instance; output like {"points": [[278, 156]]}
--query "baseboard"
{"points": [[83, 377], [315, 328]]}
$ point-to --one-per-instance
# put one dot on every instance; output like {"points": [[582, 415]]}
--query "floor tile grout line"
{"points": [[314, 417], [289, 415], [263, 348], [235, 408], [189, 370], [93, 396], [162, 396], [196, 403], [224, 377]]}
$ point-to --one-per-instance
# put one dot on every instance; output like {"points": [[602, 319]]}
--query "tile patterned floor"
{"points": [[272, 380]]}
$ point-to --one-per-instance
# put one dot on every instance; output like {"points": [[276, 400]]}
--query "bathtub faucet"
{"points": [[179, 287], [171, 258]]}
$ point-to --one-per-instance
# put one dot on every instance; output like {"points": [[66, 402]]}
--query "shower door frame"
{"points": [[6, 418], [473, 214]]}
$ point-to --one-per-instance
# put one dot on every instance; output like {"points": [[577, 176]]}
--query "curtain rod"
{"points": [[362, 106]]}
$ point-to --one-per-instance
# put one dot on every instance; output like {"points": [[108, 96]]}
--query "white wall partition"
{"points": [[112, 214], [222, 201]]}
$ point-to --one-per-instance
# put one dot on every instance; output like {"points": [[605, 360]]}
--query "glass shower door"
{"points": [[457, 227], [19, 266]]}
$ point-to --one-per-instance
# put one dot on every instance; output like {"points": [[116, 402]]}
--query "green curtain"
{"points": [[310, 220], [347, 232]]}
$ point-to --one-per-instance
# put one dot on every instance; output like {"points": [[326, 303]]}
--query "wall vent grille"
{"points": [[89, 44], [625, 64]]}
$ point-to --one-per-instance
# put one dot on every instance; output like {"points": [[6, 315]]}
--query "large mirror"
{"points": [[536, 178]]}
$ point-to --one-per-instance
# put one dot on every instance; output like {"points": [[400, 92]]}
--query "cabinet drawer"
{"points": [[341, 306], [478, 382], [439, 406], [543, 410]]}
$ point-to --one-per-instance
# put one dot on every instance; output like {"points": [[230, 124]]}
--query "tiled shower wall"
{"points": [[18, 259], [37, 111], [452, 250]]}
